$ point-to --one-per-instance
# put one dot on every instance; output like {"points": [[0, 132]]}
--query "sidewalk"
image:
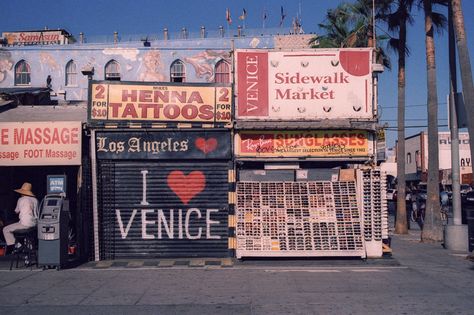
{"points": [[406, 250], [419, 278]]}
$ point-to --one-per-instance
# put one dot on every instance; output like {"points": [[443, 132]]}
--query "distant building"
{"points": [[416, 157]]}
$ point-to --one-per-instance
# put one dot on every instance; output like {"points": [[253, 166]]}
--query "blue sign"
{"points": [[56, 184]]}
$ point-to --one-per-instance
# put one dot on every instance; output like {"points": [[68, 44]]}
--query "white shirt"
{"points": [[27, 208]]}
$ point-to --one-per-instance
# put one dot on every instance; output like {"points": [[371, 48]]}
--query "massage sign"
{"points": [[159, 102], [40, 143], [177, 202], [310, 84]]}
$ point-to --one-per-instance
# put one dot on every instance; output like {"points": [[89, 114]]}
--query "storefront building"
{"points": [[38, 143], [304, 131], [171, 170], [161, 163]]}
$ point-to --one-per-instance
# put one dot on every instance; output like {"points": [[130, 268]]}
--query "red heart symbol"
{"points": [[186, 187], [206, 146]]}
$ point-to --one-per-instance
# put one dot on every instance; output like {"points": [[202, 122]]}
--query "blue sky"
{"points": [[103, 17]]}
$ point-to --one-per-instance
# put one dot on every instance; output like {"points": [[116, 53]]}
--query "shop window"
{"points": [[222, 72], [112, 71], [408, 158], [178, 72], [22, 73], [71, 74]]}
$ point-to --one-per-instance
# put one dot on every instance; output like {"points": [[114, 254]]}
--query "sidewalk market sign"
{"points": [[306, 84], [159, 102], [40, 143]]}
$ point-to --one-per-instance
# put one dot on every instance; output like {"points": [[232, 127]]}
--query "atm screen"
{"points": [[52, 202]]}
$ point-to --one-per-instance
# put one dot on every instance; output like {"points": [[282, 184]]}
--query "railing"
{"points": [[184, 34]]}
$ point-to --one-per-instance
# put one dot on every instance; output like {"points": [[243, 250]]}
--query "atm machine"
{"points": [[53, 231]]}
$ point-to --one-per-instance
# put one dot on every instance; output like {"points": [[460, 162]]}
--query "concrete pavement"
{"points": [[420, 278]]}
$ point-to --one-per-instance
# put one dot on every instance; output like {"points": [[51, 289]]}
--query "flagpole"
{"points": [[264, 17], [229, 20]]}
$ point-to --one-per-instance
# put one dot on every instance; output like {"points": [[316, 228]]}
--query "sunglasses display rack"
{"points": [[298, 219], [374, 209]]}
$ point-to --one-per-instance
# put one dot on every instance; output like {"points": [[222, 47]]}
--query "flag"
{"points": [[244, 15], [227, 16], [265, 15], [282, 16]]}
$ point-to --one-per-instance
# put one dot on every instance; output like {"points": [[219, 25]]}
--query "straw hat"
{"points": [[25, 190]]}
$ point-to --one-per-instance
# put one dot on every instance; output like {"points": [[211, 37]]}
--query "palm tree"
{"points": [[350, 25], [397, 21], [338, 31], [465, 65], [432, 229]]}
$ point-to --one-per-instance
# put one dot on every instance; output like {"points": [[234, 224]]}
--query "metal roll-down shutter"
{"points": [[163, 209]]}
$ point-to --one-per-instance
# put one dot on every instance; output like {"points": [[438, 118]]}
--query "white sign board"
{"points": [[40, 143], [308, 84]]}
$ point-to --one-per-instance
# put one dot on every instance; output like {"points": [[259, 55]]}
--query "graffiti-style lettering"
{"points": [[156, 224]]}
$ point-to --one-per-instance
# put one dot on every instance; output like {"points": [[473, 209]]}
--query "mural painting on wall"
{"points": [[46, 59], [6, 64], [153, 67], [204, 62]]}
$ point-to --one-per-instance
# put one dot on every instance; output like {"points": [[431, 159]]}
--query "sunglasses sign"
{"points": [[307, 143]]}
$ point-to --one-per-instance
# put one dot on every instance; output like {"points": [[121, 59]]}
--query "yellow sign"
{"points": [[160, 102], [312, 143]]}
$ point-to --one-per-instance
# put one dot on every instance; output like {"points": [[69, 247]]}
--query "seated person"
{"points": [[27, 209]]}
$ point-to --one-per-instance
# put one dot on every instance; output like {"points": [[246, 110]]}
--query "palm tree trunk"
{"points": [[401, 224], [432, 229], [465, 65]]}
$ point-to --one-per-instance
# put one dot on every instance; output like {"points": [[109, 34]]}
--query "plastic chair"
{"points": [[26, 247]]}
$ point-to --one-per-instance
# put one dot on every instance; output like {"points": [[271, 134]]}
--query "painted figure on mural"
{"points": [[204, 62], [6, 64], [47, 59], [153, 67], [27, 210]]}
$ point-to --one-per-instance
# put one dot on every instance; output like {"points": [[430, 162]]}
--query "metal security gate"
{"points": [[320, 218], [163, 209]]}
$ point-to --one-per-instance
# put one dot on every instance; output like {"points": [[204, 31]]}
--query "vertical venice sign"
{"points": [[159, 102]]}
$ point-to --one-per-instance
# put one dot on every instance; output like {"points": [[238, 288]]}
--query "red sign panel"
{"points": [[253, 83]]}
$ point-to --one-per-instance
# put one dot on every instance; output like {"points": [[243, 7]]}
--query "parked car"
{"points": [[465, 188]]}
